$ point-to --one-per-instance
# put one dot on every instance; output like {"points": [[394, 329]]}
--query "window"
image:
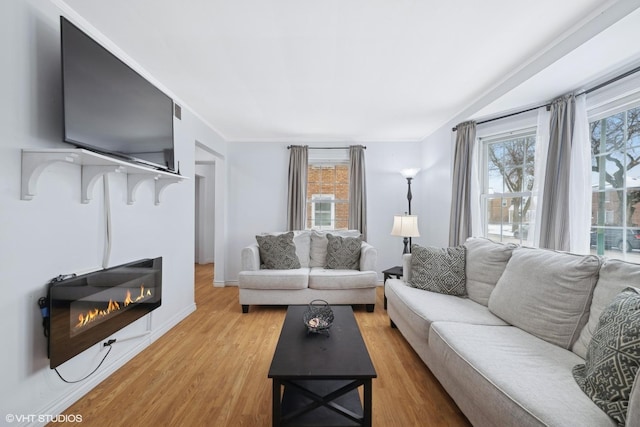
{"points": [[615, 183], [322, 211], [507, 171], [328, 196]]}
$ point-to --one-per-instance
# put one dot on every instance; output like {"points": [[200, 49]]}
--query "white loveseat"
{"points": [[260, 286], [505, 353]]}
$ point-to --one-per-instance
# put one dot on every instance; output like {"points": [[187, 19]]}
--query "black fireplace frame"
{"points": [[62, 343]]}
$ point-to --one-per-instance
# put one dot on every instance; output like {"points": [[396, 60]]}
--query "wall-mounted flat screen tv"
{"points": [[110, 108]]}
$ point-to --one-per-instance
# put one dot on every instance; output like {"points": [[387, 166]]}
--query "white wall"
{"points": [[258, 195], [55, 233], [434, 182]]}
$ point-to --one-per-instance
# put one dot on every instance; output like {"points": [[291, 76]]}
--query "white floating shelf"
{"points": [[94, 166]]}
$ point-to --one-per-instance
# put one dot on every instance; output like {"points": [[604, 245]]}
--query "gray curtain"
{"points": [[554, 220], [297, 192], [460, 228], [357, 190]]}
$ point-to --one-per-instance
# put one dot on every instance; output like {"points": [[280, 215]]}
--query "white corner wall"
{"points": [[56, 234]]}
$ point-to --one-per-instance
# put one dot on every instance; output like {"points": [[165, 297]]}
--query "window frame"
{"points": [[323, 199], [484, 190], [600, 114]]}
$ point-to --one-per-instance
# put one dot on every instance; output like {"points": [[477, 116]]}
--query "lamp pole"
{"points": [[409, 197]]}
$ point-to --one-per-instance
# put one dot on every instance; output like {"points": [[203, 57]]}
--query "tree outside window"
{"points": [[615, 181], [508, 180]]}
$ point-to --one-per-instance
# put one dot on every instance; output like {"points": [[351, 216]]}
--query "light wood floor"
{"points": [[211, 370]]}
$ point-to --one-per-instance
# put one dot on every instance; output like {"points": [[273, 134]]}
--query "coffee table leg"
{"points": [[276, 406], [366, 407]]}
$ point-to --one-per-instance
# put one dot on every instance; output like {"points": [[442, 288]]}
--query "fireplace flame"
{"points": [[128, 299], [96, 313]]}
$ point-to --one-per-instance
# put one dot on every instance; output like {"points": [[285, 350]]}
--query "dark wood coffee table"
{"points": [[321, 374]]}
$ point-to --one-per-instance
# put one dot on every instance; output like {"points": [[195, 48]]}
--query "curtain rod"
{"points": [[327, 148], [592, 89]]}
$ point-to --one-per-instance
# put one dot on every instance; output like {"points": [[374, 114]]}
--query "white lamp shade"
{"points": [[405, 226]]}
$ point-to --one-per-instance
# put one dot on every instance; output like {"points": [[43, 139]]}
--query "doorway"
{"points": [[204, 212]]}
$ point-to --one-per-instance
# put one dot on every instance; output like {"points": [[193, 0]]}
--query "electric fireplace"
{"points": [[87, 309]]}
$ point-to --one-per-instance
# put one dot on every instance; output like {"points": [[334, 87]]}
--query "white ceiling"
{"points": [[361, 70]]}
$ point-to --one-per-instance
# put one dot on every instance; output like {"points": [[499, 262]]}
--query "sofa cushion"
{"points": [[422, 308], [278, 252], [485, 263], [274, 279], [302, 240], [615, 275], [318, 247], [438, 269], [546, 293], [343, 253], [613, 356], [322, 278], [504, 376]]}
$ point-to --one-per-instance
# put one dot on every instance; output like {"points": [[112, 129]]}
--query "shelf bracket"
{"points": [[90, 175], [34, 163], [162, 183], [92, 166], [133, 182]]}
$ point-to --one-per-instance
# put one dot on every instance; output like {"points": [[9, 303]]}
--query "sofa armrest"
{"points": [[633, 411], [368, 257], [250, 258], [406, 267]]}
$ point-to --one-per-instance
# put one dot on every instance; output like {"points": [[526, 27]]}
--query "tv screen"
{"points": [[110, 108]]}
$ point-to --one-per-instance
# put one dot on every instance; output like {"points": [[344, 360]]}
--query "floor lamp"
{"points": [[409, 174], [407, 227]]}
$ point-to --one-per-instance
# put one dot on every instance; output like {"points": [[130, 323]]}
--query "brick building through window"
{"points": [[328, 196]]}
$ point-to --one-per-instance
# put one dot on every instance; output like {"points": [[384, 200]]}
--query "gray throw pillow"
{"points": [[278, 252], [343, 253], [613, 356], [439, 270], [613, 278], [485, 262]]}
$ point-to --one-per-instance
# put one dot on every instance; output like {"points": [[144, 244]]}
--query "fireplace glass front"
{"points": [[87, 309]]}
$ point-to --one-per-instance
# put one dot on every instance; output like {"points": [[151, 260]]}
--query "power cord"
{"points": [[106, 344]]}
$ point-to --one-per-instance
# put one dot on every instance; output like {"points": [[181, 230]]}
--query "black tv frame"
{"points": [[111, 138]]}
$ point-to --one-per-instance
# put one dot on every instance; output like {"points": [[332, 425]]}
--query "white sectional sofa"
{"points": [[262, 286], [505, 352]]}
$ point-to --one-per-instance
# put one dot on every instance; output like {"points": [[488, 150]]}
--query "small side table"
{"points": [[393, 271]]}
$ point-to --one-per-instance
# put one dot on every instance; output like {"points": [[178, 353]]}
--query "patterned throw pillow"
{"points": [[343, 253], [278, 252], [439, 270], [613, 356]]}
